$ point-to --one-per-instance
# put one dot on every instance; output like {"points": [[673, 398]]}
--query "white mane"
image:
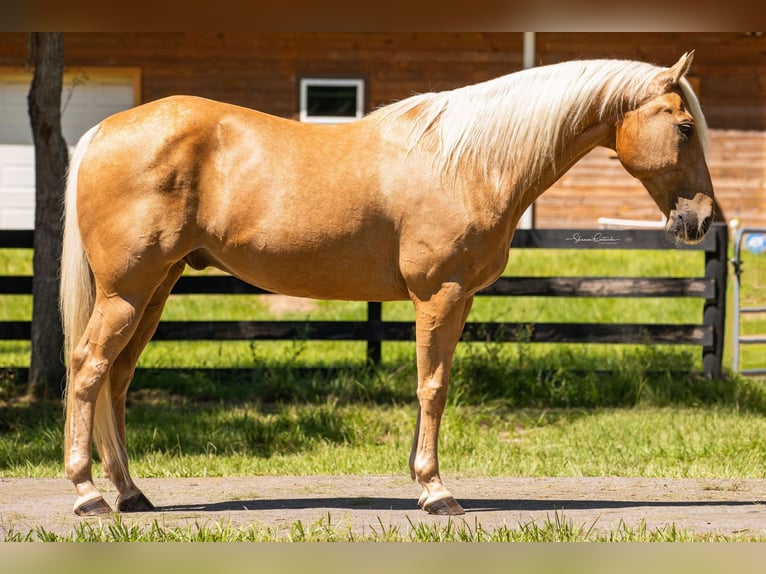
{"points": [[515, 122]]}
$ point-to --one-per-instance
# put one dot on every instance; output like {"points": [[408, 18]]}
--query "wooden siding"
{"points": [[261, 70]]}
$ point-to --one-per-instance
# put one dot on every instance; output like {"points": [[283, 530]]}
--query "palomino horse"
{"points": [[418, 200]]}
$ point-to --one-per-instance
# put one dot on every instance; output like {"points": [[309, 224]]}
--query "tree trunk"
{"points": [[46, 374]]}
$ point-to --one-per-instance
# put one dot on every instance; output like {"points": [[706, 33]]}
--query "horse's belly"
{"points": [[359, 273], [335, 283]]}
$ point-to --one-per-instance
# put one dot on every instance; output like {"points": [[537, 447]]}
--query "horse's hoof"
{"points": [[136, 503], [446, 506], [95, 507]]}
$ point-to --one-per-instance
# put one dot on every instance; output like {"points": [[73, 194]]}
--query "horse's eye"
{"points": [[686, 130]]}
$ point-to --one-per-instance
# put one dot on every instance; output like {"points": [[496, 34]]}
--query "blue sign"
{"points": [[756, 243]]}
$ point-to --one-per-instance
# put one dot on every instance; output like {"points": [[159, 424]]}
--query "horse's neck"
{"points": [[570, 151]]}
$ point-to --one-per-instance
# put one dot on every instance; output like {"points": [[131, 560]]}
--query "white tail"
{"points": [[76, 294], [76, 300]]}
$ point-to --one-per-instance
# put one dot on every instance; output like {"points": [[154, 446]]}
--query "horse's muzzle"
{"points": [[691, 218]]}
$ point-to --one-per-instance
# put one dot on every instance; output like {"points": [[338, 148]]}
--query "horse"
{"points": [[416, 201]]}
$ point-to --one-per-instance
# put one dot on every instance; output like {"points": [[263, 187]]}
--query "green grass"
{"points": [[357, 422], [337, 424], [555, 528]]}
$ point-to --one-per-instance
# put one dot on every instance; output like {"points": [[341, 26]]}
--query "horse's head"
{"points": [[661, 143]]}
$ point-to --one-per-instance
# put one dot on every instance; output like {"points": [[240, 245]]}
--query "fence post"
{"points": [[374, 344], [714, 311]]}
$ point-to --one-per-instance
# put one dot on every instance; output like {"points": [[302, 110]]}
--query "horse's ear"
{"points": [[670, 77]]}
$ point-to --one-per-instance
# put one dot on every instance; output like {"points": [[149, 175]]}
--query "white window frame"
{"points": [[305, 83]]}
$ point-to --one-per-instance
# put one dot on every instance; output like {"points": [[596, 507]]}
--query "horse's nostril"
{"points": [[705, 224]]}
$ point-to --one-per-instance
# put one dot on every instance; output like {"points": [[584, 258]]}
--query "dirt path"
{"points": [[367, 502]]}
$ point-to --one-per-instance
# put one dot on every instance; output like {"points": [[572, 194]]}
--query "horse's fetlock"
{"points": [[77, 467], [425, 469]]}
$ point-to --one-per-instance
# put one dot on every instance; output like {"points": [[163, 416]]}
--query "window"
{"points": [[88, 96], [330, 101]]}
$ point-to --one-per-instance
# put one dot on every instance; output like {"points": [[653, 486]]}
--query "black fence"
{"points": [[709, 286]]}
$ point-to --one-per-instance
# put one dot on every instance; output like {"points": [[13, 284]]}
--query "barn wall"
{"points": [[262, 70]]}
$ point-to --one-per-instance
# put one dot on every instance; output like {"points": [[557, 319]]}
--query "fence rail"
{"points": [[710, 287]]}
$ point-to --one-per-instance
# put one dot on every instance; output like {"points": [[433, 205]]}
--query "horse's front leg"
{"points": [[438, 323]]}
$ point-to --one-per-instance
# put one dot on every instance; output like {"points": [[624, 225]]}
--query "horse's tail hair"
{"points": [[77, 292], [76, 301]]}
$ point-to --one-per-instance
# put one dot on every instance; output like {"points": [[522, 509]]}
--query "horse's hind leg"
{"points": [[439, 322], [115, 459], [111, 325]]}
